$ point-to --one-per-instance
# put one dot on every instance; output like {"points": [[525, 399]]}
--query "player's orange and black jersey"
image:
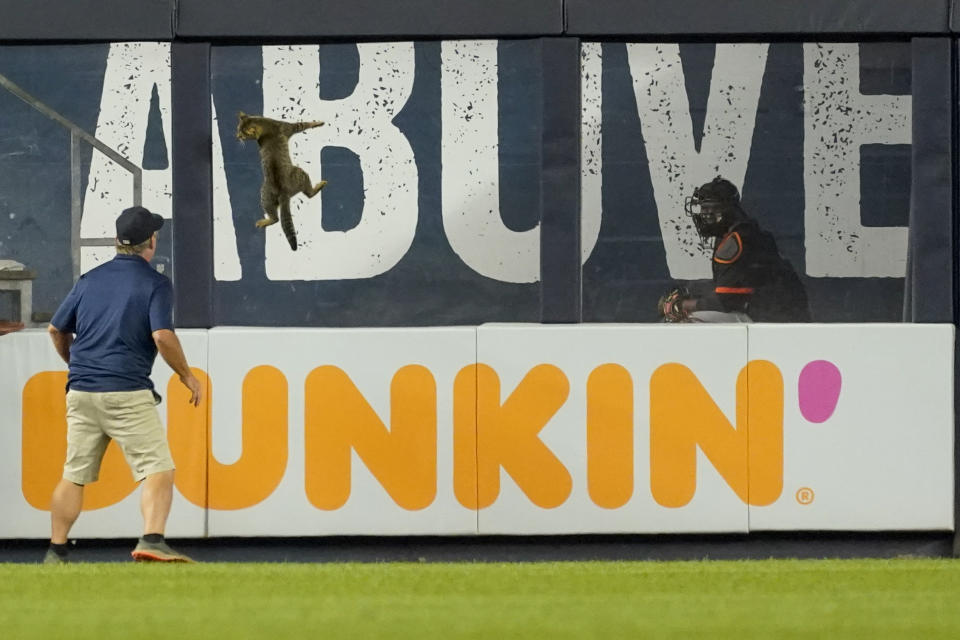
{"points": [[750, 276]]}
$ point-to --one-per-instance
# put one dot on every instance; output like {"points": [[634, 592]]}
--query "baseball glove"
{"points": [[670, 305]]}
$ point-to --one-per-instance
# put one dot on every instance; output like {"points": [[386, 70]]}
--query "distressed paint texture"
{"points": [[361, 122], [471, 168], [838, 120], [429, 284], [676, 165], [591, 146], [133, 70], [226, 257]]}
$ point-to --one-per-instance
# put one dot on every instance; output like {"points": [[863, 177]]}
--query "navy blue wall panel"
{"points": [[560, 182], [86, 20], [679, 17], [930, 284], [368, 18], [192, 184]]}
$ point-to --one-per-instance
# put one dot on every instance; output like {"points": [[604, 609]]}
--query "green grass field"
{"points": [[770, 599]]}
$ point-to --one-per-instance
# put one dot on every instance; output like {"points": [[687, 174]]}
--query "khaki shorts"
{"points": [[130, 418]]}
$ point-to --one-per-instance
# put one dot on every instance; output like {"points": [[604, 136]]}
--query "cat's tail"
{"points": [[286, 223]]}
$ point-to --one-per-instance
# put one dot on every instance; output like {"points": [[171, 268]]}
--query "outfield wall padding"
{"points": [[647, 18], [560, 271], [929, 282], [368, 18], [518, 429], [114, 20], [192, 184], [118, 20]]}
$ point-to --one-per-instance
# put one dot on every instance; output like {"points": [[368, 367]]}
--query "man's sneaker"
{"points": [[51, 557], [157, 552]]}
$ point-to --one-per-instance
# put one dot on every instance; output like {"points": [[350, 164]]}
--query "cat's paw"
{"points": [[316, 123], [264, 222], [320, 185]]}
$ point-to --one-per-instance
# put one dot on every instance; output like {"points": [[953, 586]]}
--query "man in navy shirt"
{"points": [[109, 330]]}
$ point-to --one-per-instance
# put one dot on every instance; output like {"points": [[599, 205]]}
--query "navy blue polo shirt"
{"points": [[113, 310]]}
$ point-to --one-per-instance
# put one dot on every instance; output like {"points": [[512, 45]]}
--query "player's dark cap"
{"points": [[719, 190], [136, 225]]}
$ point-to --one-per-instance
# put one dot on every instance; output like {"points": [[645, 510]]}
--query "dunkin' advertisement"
{"points": [[519, 429]]}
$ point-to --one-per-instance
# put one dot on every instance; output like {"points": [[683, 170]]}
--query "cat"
{"points": [[281, 179]]}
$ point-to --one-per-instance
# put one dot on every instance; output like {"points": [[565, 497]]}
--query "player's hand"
{"points": [[9, 327], [196, 392], [671, 306]]}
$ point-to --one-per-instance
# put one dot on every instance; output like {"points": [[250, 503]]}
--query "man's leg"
{"points": [[139, 432], [155, 499], [86, 444], [64, 508]]}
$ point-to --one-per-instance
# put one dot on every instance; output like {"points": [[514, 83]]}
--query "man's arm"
{"points": [[169, 347], [61, 342], [9, 327]]}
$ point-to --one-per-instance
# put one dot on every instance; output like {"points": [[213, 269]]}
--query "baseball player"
{"points": [[752, 282]]}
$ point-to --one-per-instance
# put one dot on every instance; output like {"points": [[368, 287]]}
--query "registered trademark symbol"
{"points": [[805, 495]]}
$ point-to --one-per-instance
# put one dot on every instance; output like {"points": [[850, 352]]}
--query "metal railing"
{"points": [[77, 134]]}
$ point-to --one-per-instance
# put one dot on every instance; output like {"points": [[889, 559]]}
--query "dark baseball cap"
{"points": [[136, 225]]}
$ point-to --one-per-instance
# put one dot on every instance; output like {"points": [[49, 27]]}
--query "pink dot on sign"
{"points": [[818, 390]]}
